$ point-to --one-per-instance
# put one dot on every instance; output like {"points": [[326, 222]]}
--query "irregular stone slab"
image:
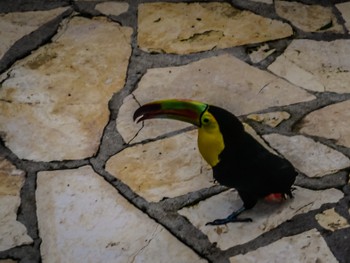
{"points": [[112, 8], [309, 18], [164, 168], [224, 81], [81, 214], [264, 1], [7, 261], [311, 158], [344, 9], [54, 102], [332, 122], [167, 27], [13, 26], [331, 220], [266, 216], [261, 53], [316, 65], [305, 247], [273, 119], [12, 232]]}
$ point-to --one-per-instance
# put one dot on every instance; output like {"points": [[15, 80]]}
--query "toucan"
{"points": [[237, 159]]}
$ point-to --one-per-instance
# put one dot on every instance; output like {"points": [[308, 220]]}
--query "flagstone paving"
{"points": [[80, 180]]}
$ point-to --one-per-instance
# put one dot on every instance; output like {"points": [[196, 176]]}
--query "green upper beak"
{"points": [[183, 110]]}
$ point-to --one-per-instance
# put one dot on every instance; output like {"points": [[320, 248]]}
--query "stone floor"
{"points": [[81, 182]]}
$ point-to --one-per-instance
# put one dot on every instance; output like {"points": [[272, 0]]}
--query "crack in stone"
{"points": [[148, 241], [203, 35]]}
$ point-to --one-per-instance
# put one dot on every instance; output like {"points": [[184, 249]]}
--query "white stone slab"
{"points": [[305, 247], [112, 8], [332, 122], [82, 217], [344, 9], [316, 65], [168, 27], [54, 104], [309, 18], [312, 158], [164, 168], [266, 216], [14, 26], [224, 81], [12, 232]]}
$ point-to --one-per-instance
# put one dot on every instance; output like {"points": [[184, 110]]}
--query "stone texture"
{"points": [[311, 158], [316, 65], [266, 216], [12, 232], [309, 18], [54, 102], [14, 26], [331, 220], [306, 247], [224, 81], [168, 27], [164, 168], [81, 214], [273, 119], [344, 9], [259, 54], [264, 1], [112, 8], [332, 122]]}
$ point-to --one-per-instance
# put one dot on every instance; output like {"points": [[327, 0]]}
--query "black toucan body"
{"points": [[237, 159]]}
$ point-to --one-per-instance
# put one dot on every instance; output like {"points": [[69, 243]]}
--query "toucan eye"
{"points": [[205, 120]]}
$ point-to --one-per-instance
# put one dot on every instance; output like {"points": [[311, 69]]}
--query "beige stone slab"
{"points": [[312, 158], [316, 65], [344, 9], [306, 247], [184, 28], [273, 119], [164, 168], [260, 53], [331, 220], [332, 122], [112, 8], [12, 232], [266, 216], [16, 25], [224, 81], [54, 103], [81, 214], [309, 18]]}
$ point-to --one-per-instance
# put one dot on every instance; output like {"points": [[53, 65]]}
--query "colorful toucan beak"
{"points": [[183, 110]]}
